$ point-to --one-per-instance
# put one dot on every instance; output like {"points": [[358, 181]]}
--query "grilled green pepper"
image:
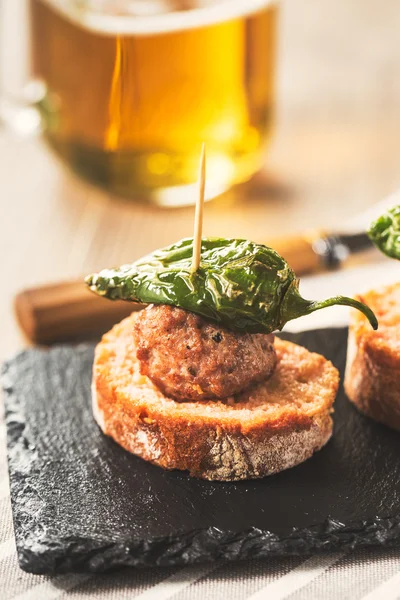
{"points": [[385, 233], [245, 286]]}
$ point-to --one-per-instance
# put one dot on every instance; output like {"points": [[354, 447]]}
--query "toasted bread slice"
{"points": [[273, 426], [372, 378]]}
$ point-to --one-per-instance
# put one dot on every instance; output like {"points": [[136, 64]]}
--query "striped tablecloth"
{"points": [[372, 574]]}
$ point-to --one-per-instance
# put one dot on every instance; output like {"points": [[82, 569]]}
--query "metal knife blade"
{"points": [[361, 222], [333, 249]]}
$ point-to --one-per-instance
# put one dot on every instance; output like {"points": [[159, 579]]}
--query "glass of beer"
{"points": [[130, 89]]}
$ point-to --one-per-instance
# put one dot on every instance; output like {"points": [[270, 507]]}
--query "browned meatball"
{"points": [[190, 358]]}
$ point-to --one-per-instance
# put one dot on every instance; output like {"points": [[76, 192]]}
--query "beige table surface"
{"points": [[336, 150]]}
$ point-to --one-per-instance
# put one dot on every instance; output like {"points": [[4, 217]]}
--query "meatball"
{"points": [[190, 358]]}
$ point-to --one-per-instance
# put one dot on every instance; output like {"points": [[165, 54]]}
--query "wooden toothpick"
{"points": [[198, 218]]}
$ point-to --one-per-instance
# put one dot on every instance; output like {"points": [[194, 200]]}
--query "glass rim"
{"points": [[86, 16]]}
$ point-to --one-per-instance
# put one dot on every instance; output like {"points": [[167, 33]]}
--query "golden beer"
{"points": [[129, 109]]}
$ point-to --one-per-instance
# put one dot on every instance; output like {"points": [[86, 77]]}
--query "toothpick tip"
{"points": [[198, 220]]}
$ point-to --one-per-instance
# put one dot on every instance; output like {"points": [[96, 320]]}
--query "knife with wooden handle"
{"points": [[68, 311]]}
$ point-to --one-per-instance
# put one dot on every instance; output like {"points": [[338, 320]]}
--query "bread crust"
{"points": [[273, 426], [372, 377]]}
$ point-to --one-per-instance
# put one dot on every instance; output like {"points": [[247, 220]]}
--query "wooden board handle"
{"points": [[68, 311]]}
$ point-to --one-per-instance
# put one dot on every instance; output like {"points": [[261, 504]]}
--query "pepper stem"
{"points": [[295, 306], [344, 301]]}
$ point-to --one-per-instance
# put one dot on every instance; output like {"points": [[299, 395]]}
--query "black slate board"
{"points": [[81, 503]]}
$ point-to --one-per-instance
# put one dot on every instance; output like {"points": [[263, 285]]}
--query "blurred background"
{"points": [[325, 114]]}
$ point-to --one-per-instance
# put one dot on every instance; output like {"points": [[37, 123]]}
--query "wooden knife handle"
{"points": [[299, 252], [68, 311]]}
